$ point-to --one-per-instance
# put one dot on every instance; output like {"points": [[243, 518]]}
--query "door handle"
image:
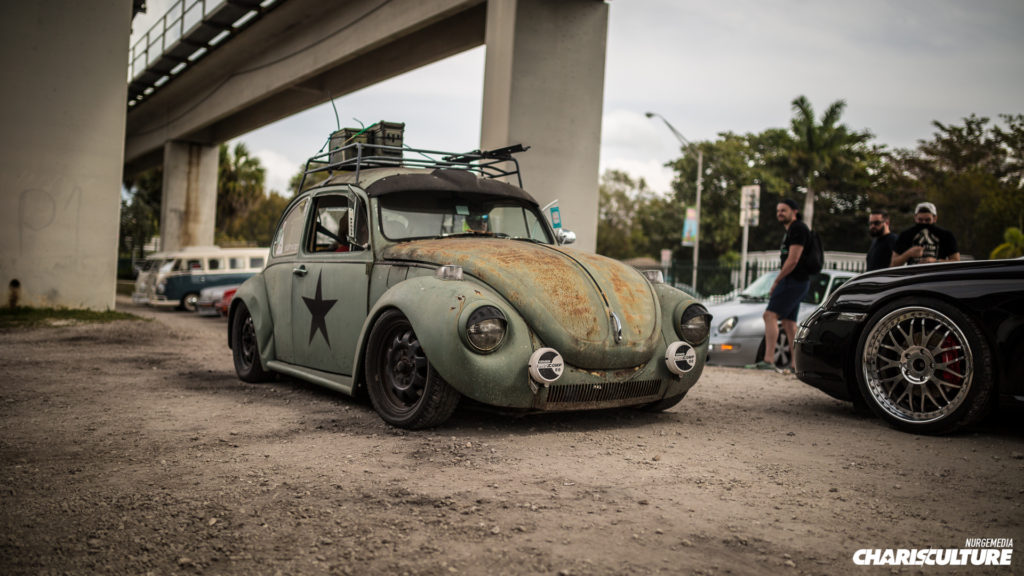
{"points": [[300, 271]]}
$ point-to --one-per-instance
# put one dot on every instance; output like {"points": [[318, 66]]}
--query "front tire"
{"points": [[925, 367], [403, 386], [189, 302], [245, 349], [664, 403]]}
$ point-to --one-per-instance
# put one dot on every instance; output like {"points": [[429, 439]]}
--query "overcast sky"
{"points": [[712, 67]]}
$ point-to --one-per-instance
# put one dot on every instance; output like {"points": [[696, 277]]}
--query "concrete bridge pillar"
{"points": [[189, 207], [544, 87], [61, 150]]}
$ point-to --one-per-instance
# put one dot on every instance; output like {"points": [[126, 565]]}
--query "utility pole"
{"points": [[700, 173]]}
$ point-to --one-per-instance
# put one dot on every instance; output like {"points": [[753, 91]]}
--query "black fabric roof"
{"points": [[447, 181]]}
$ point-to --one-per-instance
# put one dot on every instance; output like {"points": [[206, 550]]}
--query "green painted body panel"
{"points": [[253, 292], [566, 296]]}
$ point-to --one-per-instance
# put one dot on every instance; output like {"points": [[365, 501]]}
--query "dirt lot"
{"points": [[131, 448]]}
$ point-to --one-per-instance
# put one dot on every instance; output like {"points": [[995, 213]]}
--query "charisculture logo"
{"points": [[976, 552]]}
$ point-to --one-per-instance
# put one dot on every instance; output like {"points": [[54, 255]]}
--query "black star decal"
{"points": [[319, 307]]}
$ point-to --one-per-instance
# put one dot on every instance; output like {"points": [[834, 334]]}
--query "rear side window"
{"points": [[289, 235], [256, 262], [236, 263]]}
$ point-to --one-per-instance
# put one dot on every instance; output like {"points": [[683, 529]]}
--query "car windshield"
{"points": [[415, 214], [760, 288]]}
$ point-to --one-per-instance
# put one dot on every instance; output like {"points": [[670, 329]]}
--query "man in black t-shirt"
{"points": [[925, 242], [883, 240], [789, 287]]}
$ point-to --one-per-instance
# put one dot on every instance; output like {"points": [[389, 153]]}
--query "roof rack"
{"points": [[497, 163]]}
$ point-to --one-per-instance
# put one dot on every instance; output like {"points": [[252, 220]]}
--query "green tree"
{"points": [[140, 210], [1013, 247], [821, 153], [973, 173], [618, 233], [240, 189]]}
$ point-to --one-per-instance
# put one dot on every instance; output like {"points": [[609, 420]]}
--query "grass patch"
{"points": [[23, 316]]}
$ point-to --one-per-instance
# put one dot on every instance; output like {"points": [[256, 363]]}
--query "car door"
{"points": [[278, 274], [329, 289]]}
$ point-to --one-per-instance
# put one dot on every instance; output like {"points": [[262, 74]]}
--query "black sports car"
{"points": [[929, 348]]}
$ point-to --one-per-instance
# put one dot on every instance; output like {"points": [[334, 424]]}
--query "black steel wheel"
{"points": [[189, 301], [403, 386], [245, 349], [925, 367]]}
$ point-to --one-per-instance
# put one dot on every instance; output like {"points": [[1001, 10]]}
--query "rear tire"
{"points": [[403, 386], [925, 367], [245, 348]]}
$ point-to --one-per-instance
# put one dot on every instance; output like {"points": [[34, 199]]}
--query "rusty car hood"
{"points": [[565, 296]]}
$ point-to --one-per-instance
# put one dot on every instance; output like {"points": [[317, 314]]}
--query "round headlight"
{"points": [[485, 328], [695, 324], [727, 325]]}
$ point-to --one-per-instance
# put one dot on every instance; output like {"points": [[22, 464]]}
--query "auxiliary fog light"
{"points": [[680, 358], [546, 366]]}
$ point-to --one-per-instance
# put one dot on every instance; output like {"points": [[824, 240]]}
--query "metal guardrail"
{"points": [[188, 31]]}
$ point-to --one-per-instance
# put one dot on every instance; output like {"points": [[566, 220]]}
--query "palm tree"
{"points": [[1013, 247], [820, 148], [240, 187]]}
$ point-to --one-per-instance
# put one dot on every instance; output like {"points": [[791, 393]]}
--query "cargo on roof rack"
{"points": [[380, 145]]}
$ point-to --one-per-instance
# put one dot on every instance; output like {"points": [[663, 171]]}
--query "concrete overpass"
{"points": [[543, 86]]}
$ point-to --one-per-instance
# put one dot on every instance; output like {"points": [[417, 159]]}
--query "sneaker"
{"points": [[762, 365]]}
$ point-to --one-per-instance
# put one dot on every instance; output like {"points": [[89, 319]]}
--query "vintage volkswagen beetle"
{"points": [[431, 280]]}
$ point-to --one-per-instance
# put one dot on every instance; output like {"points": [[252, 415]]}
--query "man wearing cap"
{"points": [[789, 287], [924, 242]]}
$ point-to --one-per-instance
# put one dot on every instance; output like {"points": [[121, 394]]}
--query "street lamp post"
{"points": [[700, 172]]}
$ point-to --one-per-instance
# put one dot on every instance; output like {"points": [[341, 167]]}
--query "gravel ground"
{"points": [[131, 448]]}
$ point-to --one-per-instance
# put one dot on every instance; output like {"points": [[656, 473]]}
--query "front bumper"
{"points": [[161, 301], [726, 351], [824, 351]]}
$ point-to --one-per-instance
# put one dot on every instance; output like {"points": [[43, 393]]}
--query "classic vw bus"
{"points": [[179, 276]]}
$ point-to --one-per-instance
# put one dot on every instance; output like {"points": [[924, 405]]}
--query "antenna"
{"points": [[337, 120]]}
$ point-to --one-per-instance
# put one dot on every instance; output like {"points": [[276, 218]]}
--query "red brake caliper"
{"points": [[950, 356]]}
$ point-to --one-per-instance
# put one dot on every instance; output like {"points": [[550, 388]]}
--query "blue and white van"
{"points": [[180, 276]]}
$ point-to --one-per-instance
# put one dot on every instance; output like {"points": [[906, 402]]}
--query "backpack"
{"points": [[813, 257]]}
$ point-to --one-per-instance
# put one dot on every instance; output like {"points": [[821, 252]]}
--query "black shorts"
{"points": [[786, 297]]}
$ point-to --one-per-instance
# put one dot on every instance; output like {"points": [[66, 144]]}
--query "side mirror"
{"points": [[565, 236]]}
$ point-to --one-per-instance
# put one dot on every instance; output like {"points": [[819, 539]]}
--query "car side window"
{"points": [[329, 232], [289, 235]]}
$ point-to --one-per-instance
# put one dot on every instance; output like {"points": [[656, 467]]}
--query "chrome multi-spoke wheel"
{"points": [[403, 387], [919, 366]]}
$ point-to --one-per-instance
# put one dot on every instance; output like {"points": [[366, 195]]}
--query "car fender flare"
{"points": [[434, 308], [253, 293]]}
